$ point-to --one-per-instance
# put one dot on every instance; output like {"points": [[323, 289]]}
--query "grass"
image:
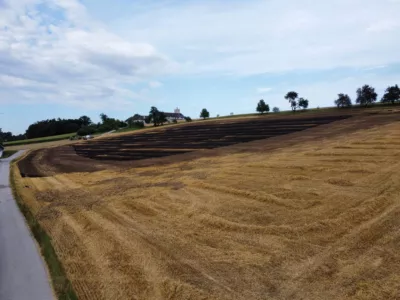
{"points": [[40, 140], [128, 129], [8, 153], [61, 284]]}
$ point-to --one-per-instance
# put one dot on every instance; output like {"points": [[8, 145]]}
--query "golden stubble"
{"points": [[318, 220]]}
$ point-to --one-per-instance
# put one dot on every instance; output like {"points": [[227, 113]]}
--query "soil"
{"points": [[191, 141]]}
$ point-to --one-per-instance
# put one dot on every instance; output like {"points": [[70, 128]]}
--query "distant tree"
{"points": [[262, 107], [343, 100], [392, 94], [188, 119], [85, 121], [156, 117], [86, 130], [276, 109], [204, 114], [292, 96], [153, 115], [293, 105], [231, 113], [50, 127], [148, 119], [137, 124], [303, 103], [103, 117], [161, 118], [217, 116], [366, 95]]}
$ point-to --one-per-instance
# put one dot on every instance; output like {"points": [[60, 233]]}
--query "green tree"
{"points": [[156, 117], [292, 96], [161, 118], [366, 95], [262, 107], [303, 103], [204, 114], [85, 121], [153, 116], [392, 94], [103, 117], [276, 109], [343, 100]]}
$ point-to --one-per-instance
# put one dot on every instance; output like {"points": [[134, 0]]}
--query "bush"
{"points": [[137, 124], [174, 121], [276, 109], [86, 131], [188, 119]]}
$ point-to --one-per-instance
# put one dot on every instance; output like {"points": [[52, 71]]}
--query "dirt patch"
{"points": [[154, 148]]}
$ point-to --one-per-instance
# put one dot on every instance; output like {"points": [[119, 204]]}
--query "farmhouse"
{"points": [[176, 115]]}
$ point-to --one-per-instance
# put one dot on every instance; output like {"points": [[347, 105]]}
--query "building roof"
{"points": [[174, 115]]}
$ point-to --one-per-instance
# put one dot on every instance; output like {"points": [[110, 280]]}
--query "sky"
{"points": [[67, 58]]}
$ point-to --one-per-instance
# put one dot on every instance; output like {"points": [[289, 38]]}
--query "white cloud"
{"points": [[263, 90], [72, 59], [155, 84], [257, 36], [384, 25], [58, 53]]}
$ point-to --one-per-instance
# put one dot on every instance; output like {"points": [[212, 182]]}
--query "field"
{"points": [[311, 214], [40, 140]]}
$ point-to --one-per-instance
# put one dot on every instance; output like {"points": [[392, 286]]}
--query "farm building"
{"points": [[176, 115]]}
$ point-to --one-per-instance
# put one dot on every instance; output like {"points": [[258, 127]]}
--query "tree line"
{"points": [[366, 95], [106, 124], [50, 127], [9, 137]]}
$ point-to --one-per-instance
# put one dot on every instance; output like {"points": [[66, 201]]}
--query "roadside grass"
{"points": [[60, 282], [128, 129], [8, 153], [40, 140]]}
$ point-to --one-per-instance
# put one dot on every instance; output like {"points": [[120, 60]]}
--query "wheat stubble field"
{"points": [[315, 219]]}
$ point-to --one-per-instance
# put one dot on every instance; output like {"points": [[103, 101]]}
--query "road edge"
{"points": [[61, 285]]}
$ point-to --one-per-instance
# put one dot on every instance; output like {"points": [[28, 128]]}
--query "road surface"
{"points": [[22, 272]]}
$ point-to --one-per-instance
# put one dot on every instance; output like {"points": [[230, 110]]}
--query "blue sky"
{"points": [[66, 58]]}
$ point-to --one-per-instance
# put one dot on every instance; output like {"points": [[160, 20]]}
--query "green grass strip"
{"points": [[40, 140], [61, 284], [8, 153]]}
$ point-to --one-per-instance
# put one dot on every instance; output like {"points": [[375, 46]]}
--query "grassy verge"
{"points": [[61, 284], [40, 140], [8, 153], [127, 129]]}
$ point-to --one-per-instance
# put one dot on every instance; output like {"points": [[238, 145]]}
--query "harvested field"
{"points": [[313, 214], [178, 140]]}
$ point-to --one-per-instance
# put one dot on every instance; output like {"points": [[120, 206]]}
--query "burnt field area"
{"points": [[181, 139], [185, 142]]}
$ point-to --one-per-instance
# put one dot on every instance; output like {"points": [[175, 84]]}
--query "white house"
{"points": [[176, 115]]}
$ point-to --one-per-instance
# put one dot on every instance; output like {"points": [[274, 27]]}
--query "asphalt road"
{"points": [[22, 272]]}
